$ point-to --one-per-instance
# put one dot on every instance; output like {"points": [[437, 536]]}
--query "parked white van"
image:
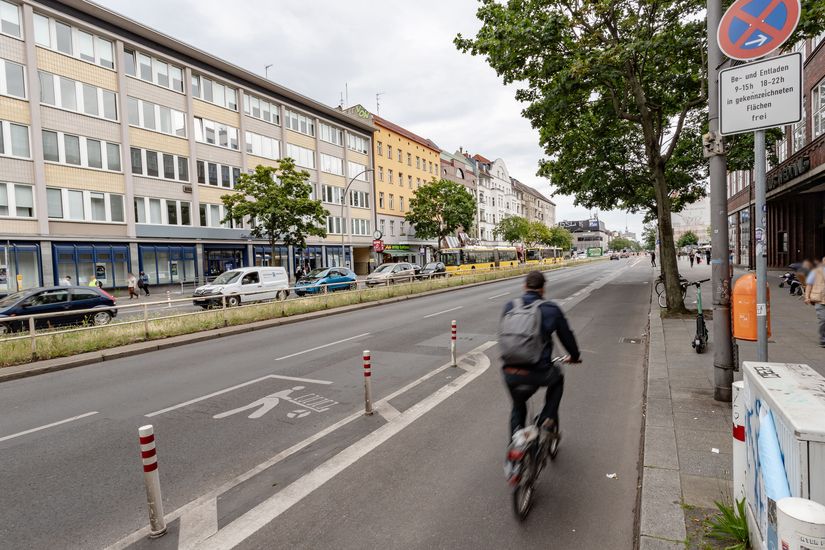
{"points": [[245, 284]]}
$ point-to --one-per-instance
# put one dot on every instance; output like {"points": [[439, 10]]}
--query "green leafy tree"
{"points": [[649, 237], [617, 91], [537, 233], [278, 199], [560, 237], [440, 208], [621, 243], [513, 229], [689, 238]]}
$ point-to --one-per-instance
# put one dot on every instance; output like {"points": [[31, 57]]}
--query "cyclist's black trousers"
{"points": [[522, 387]]}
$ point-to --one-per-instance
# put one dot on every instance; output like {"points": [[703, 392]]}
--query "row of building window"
{"points": [[391, 203], [155, 164], [16, 200], [219, 175], [88, 206], [81, 151], [391, 178], [162, 211], [263, 146], [215, 133], [300, 123], [71, 95], [72, 41], [159, 118], [154, 70], [261, 109], [420, 163], [407, 229], [214, 92], [301, 155]]}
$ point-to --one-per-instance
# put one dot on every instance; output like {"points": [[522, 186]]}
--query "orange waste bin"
{"points": [[743, 308]]}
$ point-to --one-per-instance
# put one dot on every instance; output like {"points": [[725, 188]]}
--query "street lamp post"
{"points": [[344, 219]]}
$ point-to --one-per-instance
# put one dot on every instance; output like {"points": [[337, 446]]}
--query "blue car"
{"points": [[54, 300], [333, 278]]}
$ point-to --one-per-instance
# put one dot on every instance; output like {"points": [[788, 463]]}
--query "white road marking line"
{"points": [[257, 518], [198, 525], [233, 388], [322, 347], [286, 453], [387, 411], [441, 312], [498, 295], [52, 425]]}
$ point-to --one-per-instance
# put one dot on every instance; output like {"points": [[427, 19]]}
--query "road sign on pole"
{"points": [[759, 95], [751, 29]]}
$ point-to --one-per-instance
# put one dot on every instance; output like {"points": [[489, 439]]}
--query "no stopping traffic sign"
{"points": [[754, 28]]}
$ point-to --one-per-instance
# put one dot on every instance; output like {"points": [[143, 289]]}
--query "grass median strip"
{"points": [[18, 350]]}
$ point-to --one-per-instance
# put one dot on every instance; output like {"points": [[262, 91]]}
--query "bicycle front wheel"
{"points": [[660, 287], [523, 492]]}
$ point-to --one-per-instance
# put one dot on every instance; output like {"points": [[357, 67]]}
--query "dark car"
{"points": [[614, 256], [433, 270], [333, 278], [53, 300]]}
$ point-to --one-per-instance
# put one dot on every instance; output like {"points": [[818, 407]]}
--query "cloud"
{"points": [[402, 49]]}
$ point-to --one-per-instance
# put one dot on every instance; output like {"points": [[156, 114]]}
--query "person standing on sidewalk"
{"points": [[707, 255], [815, 294], [653, 259], [690, 257], [143, 282], [131, 284]]}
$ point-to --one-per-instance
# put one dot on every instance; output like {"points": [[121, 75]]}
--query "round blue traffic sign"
{"points": [[754, 28]]}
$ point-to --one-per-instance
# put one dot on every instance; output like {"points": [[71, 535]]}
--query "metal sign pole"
{"points": [[761, 246]]}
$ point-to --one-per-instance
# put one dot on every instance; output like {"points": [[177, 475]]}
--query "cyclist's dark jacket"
{"points": [[552, 320]]}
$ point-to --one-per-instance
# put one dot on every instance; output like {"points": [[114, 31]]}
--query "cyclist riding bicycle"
{"points": [[525, 339]]}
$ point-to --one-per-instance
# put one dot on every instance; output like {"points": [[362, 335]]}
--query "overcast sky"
{"points": [[399, 48]]}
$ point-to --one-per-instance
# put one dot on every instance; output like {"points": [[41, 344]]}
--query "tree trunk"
{"points": [[667, 248]]}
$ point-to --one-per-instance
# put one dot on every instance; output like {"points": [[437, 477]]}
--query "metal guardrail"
{"points": [[221, 300]]}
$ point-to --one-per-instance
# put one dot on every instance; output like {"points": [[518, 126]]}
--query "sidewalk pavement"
{"points": [[687, 453]]}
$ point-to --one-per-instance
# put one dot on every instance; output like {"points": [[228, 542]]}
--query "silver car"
{"points": [[386, 274]]}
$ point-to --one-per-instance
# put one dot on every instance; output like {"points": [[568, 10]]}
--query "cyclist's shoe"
{"points": [[550, 430], [519, 445]]}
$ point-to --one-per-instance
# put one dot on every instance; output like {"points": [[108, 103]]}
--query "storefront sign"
{"points": [[397, 247], [100, 272], [594, 252], [789, 172], [173, 269]]}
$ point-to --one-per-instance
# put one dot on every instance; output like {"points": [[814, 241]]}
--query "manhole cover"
{"points": [[627, 340]]}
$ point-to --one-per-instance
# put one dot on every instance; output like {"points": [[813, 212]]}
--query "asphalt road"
{"points": [[233, 417]]}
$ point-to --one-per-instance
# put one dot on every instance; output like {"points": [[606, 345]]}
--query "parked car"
{"points": [[417, 270], [53, 300], [246, 284], [433, 270], [614, 255], [331, 278], [386, 274], [624, 255]]}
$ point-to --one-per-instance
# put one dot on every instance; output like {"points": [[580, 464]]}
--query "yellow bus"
{"points": [[543, 255], [478, 258]]}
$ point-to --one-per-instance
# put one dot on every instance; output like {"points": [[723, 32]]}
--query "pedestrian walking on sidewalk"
{"points": [[690, 257], [652, 259], [131, 284], [815, 295], [143, 282], [707, 255]]}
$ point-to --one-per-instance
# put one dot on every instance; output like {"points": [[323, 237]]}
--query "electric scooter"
{"points": [[700, 341]]}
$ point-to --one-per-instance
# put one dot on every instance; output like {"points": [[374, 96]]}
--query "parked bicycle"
{"points": [[660, 283], [526, 458]]}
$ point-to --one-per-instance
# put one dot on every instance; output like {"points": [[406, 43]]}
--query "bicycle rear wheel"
{"points": [[523, 492], [660, 286]]}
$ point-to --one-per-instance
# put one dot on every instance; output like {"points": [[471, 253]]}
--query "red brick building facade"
{"points": [[795, 186]]}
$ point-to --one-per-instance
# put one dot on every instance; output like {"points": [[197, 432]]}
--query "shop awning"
{"points": [[397, 253]]}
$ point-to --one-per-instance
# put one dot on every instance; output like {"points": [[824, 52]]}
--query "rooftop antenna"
{"points": [[346, 93], [266, 71], [378, 102], [341, 101]]}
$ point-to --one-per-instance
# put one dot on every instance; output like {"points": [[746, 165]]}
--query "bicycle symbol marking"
{"points": [[307, 404]]}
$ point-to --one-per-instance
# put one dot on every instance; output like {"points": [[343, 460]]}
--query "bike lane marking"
{"points": [[46, 426], [198, 518], [442, 312], [323, 346], [233, 388], [498, 295], [259, 516]]}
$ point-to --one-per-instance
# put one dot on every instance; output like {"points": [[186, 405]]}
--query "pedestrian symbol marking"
{"points": [[307, 404], [754, 28]]}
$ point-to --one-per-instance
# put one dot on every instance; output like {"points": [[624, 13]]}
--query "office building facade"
{"points": [[119, 141]]}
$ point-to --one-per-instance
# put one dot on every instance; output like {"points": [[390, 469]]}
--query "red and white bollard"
{"points": [[367, 386], [168, 299], [739, 450], [148, 454], [453, 336]]}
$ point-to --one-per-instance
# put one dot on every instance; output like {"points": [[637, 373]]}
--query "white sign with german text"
{"points": [[760, 95]]}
